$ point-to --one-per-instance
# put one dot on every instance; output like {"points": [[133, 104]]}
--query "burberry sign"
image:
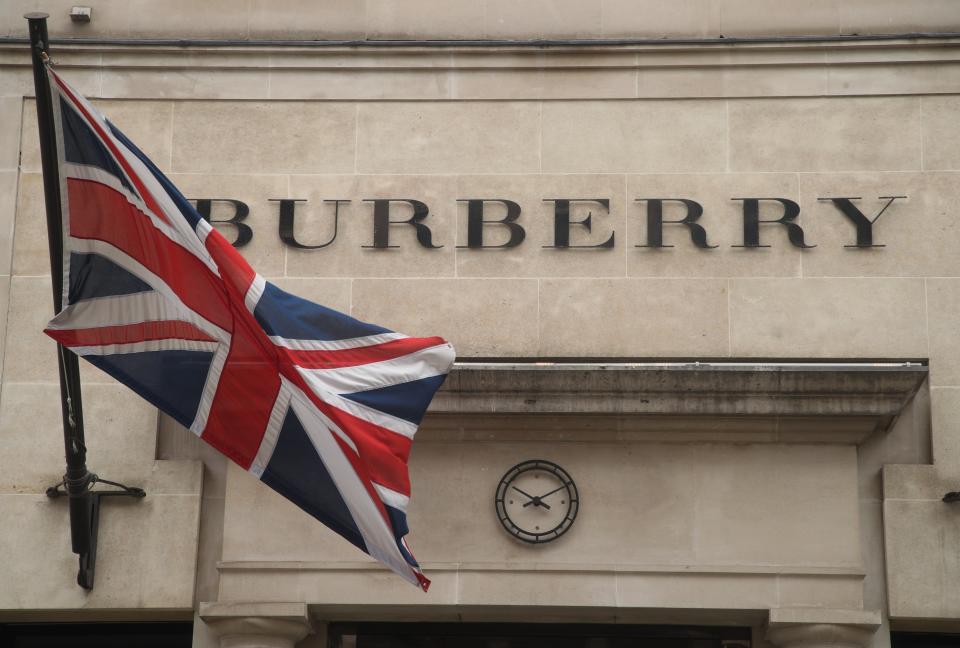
{"points": [[572, 220]]}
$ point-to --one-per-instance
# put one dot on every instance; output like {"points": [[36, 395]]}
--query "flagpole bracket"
{"points": [[81, 494]]}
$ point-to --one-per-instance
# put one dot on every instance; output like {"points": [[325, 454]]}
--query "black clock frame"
{"points": [[573, 497]]}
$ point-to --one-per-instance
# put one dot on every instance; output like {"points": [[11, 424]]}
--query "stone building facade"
{"points": [[761, 415]]}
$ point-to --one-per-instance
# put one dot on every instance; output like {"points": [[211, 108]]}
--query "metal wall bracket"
{"points": [[89, 499]]}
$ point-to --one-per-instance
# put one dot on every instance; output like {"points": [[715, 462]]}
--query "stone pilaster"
{"points": [[257, 625], [822, 628]]}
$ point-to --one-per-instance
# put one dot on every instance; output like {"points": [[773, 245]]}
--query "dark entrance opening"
{"points": [[533, 635], [96, 635]]}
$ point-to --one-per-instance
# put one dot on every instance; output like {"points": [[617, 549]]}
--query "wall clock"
{"points": [[537, 501]]}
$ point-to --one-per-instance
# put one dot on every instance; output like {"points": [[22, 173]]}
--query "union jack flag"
{"points": [[319, 406]]}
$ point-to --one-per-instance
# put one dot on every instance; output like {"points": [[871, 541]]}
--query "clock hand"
{"points": [[561, 487], [533, 499], [524, 493]]}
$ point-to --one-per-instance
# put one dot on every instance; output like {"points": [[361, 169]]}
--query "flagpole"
{"points": [[77, 481]]}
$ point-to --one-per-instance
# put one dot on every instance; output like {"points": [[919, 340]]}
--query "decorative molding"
{"points": [[501, 71]]}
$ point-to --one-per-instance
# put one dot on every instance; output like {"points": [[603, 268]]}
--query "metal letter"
{"points": [[751, 222], [562, 222], [863, 224], [240, 213], [287, 209], [655, 222], [382, 223], [475, 223]]}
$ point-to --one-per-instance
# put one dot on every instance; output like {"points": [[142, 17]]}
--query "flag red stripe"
{"points": [[234, 269], [248, 387], [147, 197], [100, 212], [128, 334], [361, 355]]}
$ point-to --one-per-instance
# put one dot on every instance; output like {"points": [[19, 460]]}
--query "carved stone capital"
{"points": [[822, 628], [257, 625]]}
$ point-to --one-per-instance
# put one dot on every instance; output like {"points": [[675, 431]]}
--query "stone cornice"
{"points": [[502, 71], [871, 391]]}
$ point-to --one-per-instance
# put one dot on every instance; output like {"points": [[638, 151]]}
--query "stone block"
{"points": [[634, 136], [425, 19], [945, 436], [922, 571], [646, 19], [371, 586], [533, 257], [633, 318], [832, 134], [777, 504], [31, 256], [146, 554], [545, 84], [265, 252], [828, 318], [185, 84], [4, 305], [901, 79], [29, 355], [916, 482], [247, 537], [941, 133], [462, 137], [723, 221], [307, 19], [890, 16], [8, 203], [350, 253], [480, 317], [148, 124], [537, 588], [681, 590], [119, 427], [900, 444], [943, 308], [542, 19], [353, 83], [753, 18], [916, 231], [186, 18], [819, 590], [11, 109], [873, 589], [232, 137], [733, 81]]}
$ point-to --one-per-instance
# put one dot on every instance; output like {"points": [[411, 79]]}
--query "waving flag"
{"points": [[318, 405]]}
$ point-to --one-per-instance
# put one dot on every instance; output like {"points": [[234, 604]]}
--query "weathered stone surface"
{"points": [[870, 134], [140, 563], [828, 318]]}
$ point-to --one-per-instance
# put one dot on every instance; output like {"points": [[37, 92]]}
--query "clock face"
{"points": [[537, 501]]}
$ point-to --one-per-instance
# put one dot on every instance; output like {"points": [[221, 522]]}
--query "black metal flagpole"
{"points": [[78, 482]]}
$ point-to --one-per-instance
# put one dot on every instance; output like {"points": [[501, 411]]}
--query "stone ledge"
{"points": [[877, 390]]}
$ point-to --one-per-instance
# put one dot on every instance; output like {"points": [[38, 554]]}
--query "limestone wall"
{"points": [[759, 524]]}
